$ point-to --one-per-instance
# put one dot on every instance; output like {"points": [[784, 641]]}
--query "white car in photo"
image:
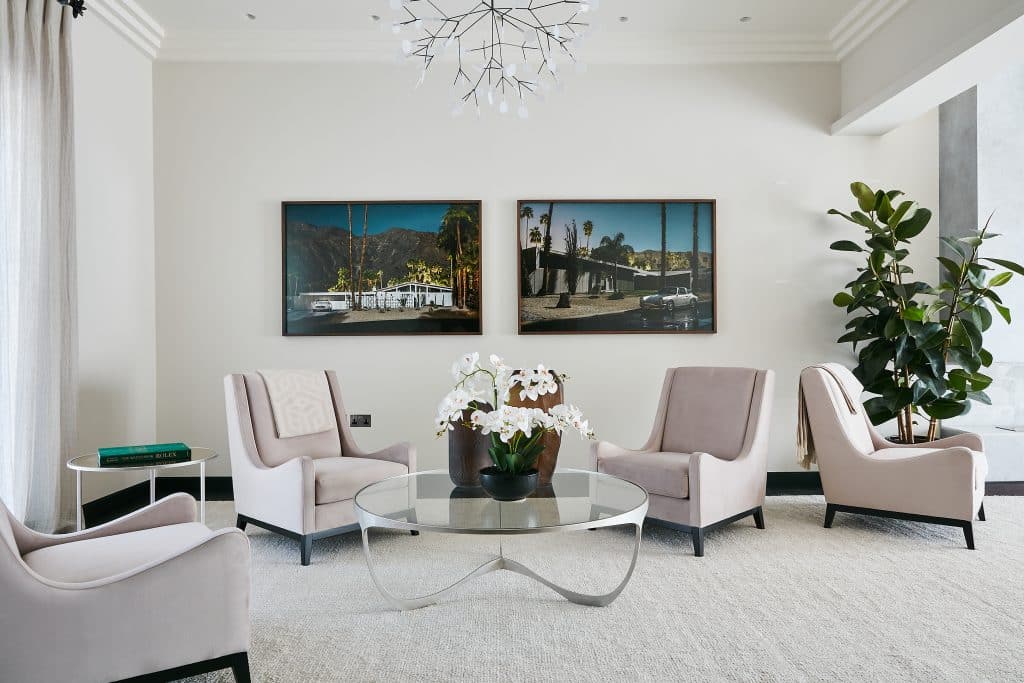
{"points": [[669, 299]]}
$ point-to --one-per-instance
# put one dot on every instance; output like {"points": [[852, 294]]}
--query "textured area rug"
{"points": [[868, 600]]}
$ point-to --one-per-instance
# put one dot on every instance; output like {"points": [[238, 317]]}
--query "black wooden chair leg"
{"points": [[697, 535], [414, 533], [240, 667], [307, 549], [981, 513], [240, 522], [969, 535], [830, 515], [759, 518]]}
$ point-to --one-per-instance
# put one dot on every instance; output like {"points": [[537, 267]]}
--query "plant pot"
{"points": [[552, 441], [508, 487], [467, 453]]}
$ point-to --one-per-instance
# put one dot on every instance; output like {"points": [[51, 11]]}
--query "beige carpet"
{"points": [[868, 600]]}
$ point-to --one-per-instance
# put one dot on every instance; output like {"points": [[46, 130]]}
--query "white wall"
{"points": [[114, 175], [233, 141]]}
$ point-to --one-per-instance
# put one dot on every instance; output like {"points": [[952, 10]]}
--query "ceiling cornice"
{"points": [[375, 46], [132, 22], [866, 17], [145, 33]]}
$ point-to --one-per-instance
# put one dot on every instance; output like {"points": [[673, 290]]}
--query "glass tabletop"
{"points": [[90, 462], [429, 500]]}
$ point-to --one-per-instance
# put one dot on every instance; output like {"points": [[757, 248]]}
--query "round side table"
{"points": [[90, 463]]}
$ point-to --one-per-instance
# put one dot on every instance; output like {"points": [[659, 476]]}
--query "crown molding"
{"points": [[132, 22], [374, 46], [866, 17]]}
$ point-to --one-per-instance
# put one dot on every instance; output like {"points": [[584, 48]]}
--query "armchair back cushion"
{"points": [[708, 410], [831, 419], [275, 451]]}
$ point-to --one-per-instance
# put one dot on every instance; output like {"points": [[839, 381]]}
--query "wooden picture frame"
{"points": [[628, 255], [417, 267]]}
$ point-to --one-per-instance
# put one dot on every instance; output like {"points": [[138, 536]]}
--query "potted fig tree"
{"points": [[919, 347]]}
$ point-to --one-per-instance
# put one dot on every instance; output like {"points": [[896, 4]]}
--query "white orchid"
{"points": [[466, 365], [515, 430]]}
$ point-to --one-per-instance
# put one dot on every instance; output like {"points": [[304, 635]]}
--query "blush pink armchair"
{"points": [[861, 472], [705, 462], [152, 596], [301, 487]]}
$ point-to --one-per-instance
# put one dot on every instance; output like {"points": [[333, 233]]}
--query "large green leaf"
{"points": [[1003, 311], [883, 207], [945, 408], [843, 299], [865, 196], [903, 211], [1000, 279], [1009, 265], [879, 410], [951, 266], [845, 245], [914, 225], [955, 246]]}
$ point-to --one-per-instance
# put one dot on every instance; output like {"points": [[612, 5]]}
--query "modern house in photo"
{"points": [[511, 341]]}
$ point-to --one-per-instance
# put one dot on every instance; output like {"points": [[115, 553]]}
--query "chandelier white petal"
{"points": [[505, 49]]}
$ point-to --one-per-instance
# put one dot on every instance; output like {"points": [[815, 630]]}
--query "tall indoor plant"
{"points": [[921, 345], [516, 432]]}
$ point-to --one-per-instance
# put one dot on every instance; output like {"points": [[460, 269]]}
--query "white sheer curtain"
{"points": [[38, 330]]}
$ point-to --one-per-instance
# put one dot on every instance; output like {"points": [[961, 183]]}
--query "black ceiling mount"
{"points": [[77, 7]]}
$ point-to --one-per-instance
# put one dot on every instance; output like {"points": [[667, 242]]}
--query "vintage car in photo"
{"points": [[669, 299]]}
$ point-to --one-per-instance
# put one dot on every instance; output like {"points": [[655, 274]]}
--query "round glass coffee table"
{"points": [[429, 501], [91, 463]]}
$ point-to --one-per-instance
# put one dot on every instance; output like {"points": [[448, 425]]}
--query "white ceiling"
{"points": [[645, 16]]}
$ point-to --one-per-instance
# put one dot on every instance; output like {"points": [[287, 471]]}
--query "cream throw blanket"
{"points": [[804, 440], [301, 402]]}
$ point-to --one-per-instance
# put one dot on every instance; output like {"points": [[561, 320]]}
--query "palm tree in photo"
{"points": [[527, 213], [546, 286], [535, 236], [351, 260], [695, 258], [588, 230], [572, 256], [460, 229], [616, 250], [664, 242], [362, 251]]}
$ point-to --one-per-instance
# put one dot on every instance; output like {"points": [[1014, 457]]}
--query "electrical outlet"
{"points": [[359, 420]]}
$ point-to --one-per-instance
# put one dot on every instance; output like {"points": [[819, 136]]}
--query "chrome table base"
{"points": [[498, 563]]}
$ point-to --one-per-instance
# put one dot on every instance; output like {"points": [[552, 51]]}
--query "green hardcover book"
{"points": [[149, 454]]}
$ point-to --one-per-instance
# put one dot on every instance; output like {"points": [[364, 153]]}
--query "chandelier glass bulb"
{"points": [[508, 48]]}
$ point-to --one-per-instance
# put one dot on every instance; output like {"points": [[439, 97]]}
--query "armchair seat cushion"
{"points": [[663, 474], [99, 558], [341, 478]]}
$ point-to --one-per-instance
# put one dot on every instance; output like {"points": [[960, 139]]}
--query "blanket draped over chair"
{"points": [[804, 439]]}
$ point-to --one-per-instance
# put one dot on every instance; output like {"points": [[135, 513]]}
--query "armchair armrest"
{"points": [[605, 450], [200, 595], [941, 483], [720, 488], [283, 495], [403, 453], [177, 508]]}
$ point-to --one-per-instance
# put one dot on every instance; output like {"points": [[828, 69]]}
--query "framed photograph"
{"points": [[381, 268], [616, 266]]}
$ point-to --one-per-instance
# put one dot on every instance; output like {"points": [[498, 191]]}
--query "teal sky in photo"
{"points": [[639, 221], [382, 217]]}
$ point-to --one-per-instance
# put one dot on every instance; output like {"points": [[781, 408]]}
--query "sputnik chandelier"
{"points": [[506, 50]]}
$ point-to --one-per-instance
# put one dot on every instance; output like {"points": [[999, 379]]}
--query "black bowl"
{"points": [[508, 487]]}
